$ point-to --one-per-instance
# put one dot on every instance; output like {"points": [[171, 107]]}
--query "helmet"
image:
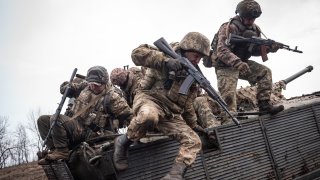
{"points": [[118, 76], [248, 9], [196, 42], [97, 74]]}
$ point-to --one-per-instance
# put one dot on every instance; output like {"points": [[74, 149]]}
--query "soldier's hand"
{"points": [[173, 64], [63, 87], [274, 47], [242, 67]]}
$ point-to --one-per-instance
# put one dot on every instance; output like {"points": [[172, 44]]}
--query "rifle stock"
{"points": [[194, 75], [55, 116]]}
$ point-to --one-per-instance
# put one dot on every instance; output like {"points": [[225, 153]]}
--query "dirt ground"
{"points": [[29, 171]]}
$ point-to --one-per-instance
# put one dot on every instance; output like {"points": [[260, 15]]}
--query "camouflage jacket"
{"points": [[135, 74], [227, 55], [96, 110], [156, 76]]}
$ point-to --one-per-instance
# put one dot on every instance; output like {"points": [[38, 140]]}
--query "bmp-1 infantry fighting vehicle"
{"points": [[281, 146]]}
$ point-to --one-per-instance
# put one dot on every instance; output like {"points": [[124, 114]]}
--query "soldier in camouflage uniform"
{"points": [[232, 61], [158, 103], [43, 121], [127, 80], [97, 100]]}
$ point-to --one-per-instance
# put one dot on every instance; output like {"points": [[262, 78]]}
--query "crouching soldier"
{"points": [[96, 102]]}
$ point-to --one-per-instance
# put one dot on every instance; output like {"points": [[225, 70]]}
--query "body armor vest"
{"points": [[243, 50]]}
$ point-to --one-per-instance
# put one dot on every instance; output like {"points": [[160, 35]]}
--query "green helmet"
{"points": [[195, 41], [248, 9], [97, 74]]}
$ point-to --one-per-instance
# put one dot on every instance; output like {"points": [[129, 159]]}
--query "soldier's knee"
{"points": [[148, 117], [193, 140], [43, 120]]}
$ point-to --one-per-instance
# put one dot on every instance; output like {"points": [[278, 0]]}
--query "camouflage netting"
{"points": [[247, 101]]}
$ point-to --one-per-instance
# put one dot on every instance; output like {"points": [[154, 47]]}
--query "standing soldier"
{"points": [[232, 61], [127, 80], [158, 103], [96, 101]]}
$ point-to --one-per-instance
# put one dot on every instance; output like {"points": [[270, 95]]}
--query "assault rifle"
{"points": [[55, 116], [232, 39], [194, 75], [259, 41]]}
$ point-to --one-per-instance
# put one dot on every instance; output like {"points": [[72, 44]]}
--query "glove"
{"points": [[63, 87], [173, 64], [274, 47], [242, 67]]}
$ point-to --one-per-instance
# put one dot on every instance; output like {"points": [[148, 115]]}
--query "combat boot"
{"points": [[120, 155], [266, 106], [176, 173], [58, 154]]}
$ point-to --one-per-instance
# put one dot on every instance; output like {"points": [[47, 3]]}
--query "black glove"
{"points": [[173, 64], [63, 87], [242, 67], [274, 47]]}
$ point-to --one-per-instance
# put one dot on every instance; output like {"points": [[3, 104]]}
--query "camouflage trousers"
{"points": [[228, 78], [43, 123], [205, 116], [149, 114], [65, 133]]}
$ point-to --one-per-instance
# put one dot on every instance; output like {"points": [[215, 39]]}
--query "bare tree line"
{"points": [[21, 145]]}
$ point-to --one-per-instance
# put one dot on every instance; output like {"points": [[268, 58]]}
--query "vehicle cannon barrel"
{"points": [[298, 74]]}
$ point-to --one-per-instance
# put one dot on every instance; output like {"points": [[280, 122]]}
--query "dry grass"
{"points": [[29, 171]]}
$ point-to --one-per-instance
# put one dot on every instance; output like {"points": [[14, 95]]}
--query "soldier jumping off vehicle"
{"points": [[158, 103], [91, 112]]}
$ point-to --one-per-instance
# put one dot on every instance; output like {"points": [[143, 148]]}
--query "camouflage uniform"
{"points": [[165, 109], [127, 80], [229, 58], [92, 113], [158, 103], [206, 109]]}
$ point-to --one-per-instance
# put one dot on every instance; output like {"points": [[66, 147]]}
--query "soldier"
{"points": [[127, 80], [232, 61], [91, 112], [158, 103]]}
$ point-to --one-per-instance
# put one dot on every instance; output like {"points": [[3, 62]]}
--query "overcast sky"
{"points": [[42, 41]]}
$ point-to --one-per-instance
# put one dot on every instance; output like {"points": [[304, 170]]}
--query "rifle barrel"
{"points": [[58, 110]]}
